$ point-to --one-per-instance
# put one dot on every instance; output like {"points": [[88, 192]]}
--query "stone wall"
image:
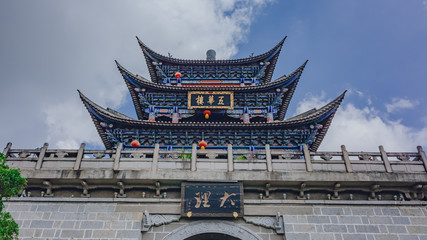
{"points": [[82, 218], [359, 222], [47, 220]]}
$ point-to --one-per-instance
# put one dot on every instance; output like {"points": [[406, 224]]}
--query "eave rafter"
{"points": [[290, 81], [323, 115], [287, 98], [133, 93], [262, 87]]}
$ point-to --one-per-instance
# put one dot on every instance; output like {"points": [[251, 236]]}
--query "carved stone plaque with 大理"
{"points": [[212, 199]]}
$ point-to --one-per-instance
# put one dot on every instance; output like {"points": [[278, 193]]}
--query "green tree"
{"points": [[11, 183]]}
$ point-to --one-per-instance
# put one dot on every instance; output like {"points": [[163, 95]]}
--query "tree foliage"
{"points": [[11, 183]]}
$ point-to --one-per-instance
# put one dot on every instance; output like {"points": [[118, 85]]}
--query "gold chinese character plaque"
{"points": [[212, 199], [207, 100]]}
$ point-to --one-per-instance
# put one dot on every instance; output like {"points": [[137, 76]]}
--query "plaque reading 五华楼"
{"points": [[206, 100]]}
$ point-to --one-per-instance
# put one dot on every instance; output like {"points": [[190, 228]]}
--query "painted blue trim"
{"points": [[182, 147]]}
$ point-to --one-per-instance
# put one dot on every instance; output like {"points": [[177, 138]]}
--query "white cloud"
{"points": [[311, 101], [365, 129], [400, 104], [69, 130], [77, 50], [188, 28], [360, 93]]}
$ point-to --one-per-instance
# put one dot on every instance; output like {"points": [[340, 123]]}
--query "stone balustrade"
{"points": [[266, 172], [232, 159]]}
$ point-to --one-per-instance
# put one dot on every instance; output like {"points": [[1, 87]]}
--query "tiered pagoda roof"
{"points": [[317, 119], [287, 85], [253, 115], [161, 67]]}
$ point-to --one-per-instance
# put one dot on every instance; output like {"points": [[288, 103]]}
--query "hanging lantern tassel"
{"points": [[202, 145], [207, 113], [135, 143]]}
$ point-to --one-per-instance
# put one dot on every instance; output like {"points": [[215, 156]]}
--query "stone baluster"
{"points": [[7, 148], [194, 157], [79, 157], [268, 158], [230, 165], [155, 158], [116, 164], [307, 157], [423, 156], [385, 159], [346, 159], [41, 156]]}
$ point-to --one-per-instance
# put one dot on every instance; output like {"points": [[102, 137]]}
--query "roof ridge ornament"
{"points": [[210, 55]]}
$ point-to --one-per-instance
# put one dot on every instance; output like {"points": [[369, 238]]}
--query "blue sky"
{"points": [[374, 49]]}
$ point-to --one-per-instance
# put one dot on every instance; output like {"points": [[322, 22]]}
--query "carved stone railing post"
{"points": [[7, 148], [385, 159], [194, 157], [116, 165], [268, 158], [41, 156], [307, 158], [230, 165], [79, 157], [155, 158], [423, 156], [346, 159]]}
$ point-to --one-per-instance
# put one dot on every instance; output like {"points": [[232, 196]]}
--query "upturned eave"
{"points": [[152, 56]]}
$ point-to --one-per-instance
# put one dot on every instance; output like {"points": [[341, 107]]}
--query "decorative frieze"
{"points": [[275, 223], [149, 220]]}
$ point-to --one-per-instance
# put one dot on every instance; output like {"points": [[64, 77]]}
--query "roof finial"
{"points": [[210, 54]]}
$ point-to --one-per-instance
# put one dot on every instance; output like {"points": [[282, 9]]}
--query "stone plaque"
{"points": [[212, 200]]}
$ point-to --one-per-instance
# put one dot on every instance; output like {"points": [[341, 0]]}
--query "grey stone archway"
{"points": [[212, 226]]}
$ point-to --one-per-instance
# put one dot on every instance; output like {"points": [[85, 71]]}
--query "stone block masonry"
{"points": [[65, 220], [358, 222], [82, 218]]}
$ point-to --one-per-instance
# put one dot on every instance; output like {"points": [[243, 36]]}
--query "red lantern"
{"points": [[135, 143], [207, 113], [202, 144], [178, 75]]}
